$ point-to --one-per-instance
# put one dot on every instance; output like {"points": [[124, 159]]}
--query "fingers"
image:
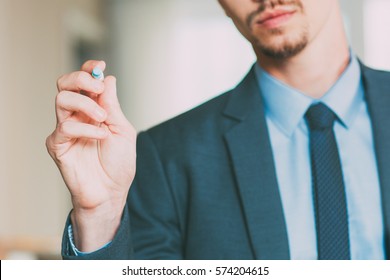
{"points": [[109, 98], [109, 101], [90, 64], [98, 99], [80, 81], [69, 130], [68, 103]]}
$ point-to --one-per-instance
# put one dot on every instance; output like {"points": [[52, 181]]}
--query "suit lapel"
{"points": [[250, 150], [377, 88]]}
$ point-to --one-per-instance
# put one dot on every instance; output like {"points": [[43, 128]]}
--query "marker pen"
{"points": [[97, 73]]}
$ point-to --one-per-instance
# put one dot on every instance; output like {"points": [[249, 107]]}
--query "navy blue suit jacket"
{"points": [[206, 186]]}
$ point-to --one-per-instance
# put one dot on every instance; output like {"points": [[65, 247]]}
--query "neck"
{"points": [[316, 68]]}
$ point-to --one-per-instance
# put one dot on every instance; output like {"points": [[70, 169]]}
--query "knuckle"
{"points": [[50, 146], [79, 78], [63, 128], [61, 97], [59, 82], [48, 143]]}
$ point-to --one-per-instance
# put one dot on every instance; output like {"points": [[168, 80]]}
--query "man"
{"points": [[291, 164]]}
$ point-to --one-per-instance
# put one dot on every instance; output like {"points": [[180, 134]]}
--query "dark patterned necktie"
{"points": [[328, 186]]}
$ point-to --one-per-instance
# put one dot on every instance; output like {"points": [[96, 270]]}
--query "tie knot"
{"points": [[320, 117]]}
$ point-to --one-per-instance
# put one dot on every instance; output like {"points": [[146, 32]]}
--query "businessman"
{"points": [[294, 163]]}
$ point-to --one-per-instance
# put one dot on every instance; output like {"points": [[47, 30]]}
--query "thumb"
{"points": [[110, 103]]}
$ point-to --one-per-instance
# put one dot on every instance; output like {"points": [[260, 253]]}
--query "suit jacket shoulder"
{"points": [[377, 93]]}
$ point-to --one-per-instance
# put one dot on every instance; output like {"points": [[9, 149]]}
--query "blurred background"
{"points": [[168, 56]]}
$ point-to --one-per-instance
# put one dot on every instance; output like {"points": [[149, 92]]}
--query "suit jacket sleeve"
{"points": [[119, 249], [149, 227]]}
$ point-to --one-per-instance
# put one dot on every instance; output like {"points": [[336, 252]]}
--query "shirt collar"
{"points": [[286, 106]]}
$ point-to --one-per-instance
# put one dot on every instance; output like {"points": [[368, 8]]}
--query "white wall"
{"points": [[376, 26], [353, 13]]}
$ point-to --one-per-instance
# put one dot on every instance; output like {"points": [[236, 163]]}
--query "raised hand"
{"points": [[93, 146]]}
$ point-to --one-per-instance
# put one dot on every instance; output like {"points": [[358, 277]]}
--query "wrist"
{"points": [[93, 228]]}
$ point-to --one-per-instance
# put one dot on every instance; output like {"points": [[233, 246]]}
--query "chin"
{"points": [[280, 45], [282, 51]]}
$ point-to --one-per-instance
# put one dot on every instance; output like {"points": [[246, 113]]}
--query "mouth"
{"points": [[271, 19]]}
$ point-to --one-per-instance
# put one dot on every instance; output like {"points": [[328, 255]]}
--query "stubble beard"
{"points": [[287, 48], [279, 48]]}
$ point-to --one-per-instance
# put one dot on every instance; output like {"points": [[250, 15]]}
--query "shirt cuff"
{"points": [[76, 251]]}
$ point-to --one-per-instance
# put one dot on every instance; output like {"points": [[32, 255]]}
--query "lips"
{"points": [[274, 18]]}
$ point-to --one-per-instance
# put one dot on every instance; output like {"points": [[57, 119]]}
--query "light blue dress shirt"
{"points": [[285, 108]]}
